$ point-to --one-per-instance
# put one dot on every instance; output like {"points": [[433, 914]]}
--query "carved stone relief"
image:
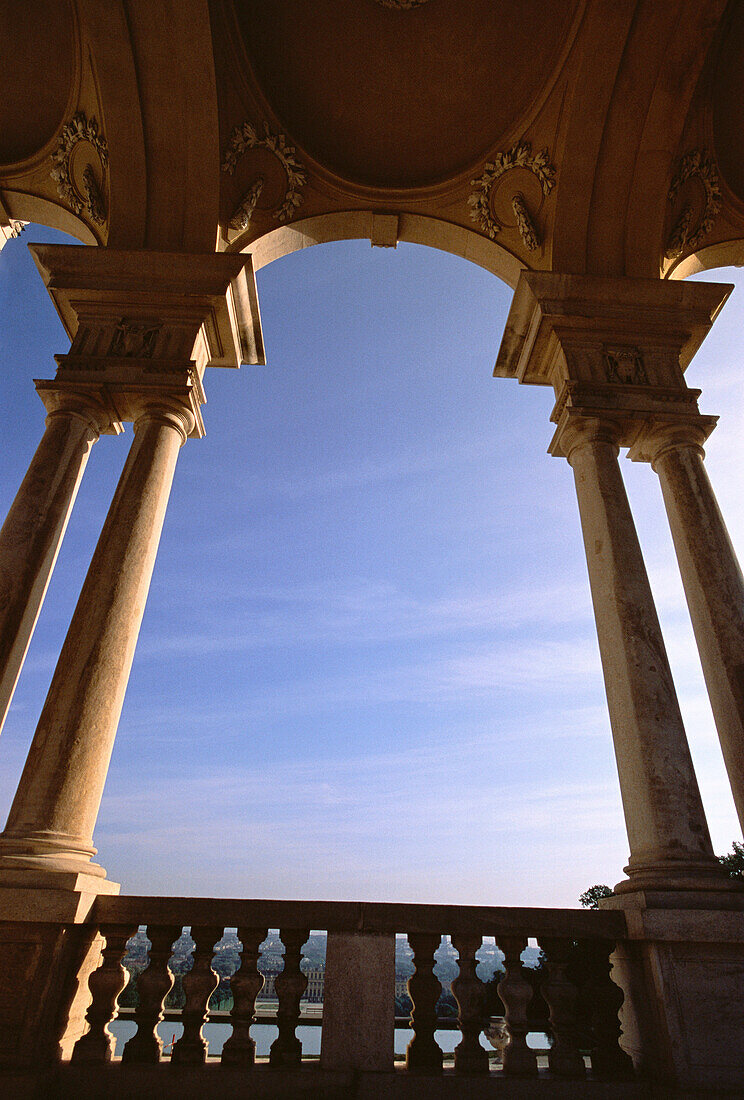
{"points": [[490, 209], [625, 366], [692, 226], [78, 165], [245, 138], [241, 219], [134, 341]]}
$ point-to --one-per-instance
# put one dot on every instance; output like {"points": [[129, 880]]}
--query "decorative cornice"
{"points": [[694, 165], [90, 199], [244, 138], [520, 156]]}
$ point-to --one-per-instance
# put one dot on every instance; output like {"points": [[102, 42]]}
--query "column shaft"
{"points": [[670, 845], [32, 534], [714, 588], [54, 811]]}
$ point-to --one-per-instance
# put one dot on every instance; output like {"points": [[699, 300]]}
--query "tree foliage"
{"points": [[733, 861], [591, 897]]}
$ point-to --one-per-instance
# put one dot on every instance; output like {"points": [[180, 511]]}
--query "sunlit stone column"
{"points": [[712, 580], [35, 525], [670, 846], [51, 821]]}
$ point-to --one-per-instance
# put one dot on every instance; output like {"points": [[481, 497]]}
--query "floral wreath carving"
{"points": [[400, 5], [520, 156], [78, 129], [244, 138], [694, 165]]}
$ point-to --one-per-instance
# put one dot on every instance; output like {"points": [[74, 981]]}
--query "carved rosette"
{"points": [[493, 217], [691, 226], [245, 138], [78, 167]]}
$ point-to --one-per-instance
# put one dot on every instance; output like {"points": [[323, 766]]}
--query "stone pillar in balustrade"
{"points": [[615, 351], [35, 525], [711, 575]]}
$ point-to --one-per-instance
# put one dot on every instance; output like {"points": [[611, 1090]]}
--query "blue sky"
{"points": [[368, 666]]}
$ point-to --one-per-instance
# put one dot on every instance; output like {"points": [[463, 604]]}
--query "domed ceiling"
{"points": [[34, 93], [377, 91]]}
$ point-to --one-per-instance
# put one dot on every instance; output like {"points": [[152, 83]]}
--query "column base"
{"points": [[670, 877], [63, 897], [681, 970]]}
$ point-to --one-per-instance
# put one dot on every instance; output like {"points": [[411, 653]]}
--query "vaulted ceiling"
{"points": [[598, 136]]}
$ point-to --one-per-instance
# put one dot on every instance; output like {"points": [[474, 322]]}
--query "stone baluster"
{"points": [[153, 986], [54, 811], [516, 993], [604, 1000], [470, 1056], [712, 579], [423, 1053], [105, 984], [199, 984], [670, 847], [35, 525], [286, 1050], [245, 985], [561, 996]]}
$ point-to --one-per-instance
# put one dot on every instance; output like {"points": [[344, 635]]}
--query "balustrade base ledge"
{"points": [[115, 1081]]}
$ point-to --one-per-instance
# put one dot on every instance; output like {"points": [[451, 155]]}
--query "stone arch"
{"points": [[369, 225], [721, 254], [42, 211]]}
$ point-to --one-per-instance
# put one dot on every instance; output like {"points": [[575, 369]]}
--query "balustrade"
{"points": [[245, 985], [573, 980]]}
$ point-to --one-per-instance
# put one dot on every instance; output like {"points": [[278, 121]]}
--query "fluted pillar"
{"points": [[670, 846], [712, 580], [51, 820], [33, 530]]}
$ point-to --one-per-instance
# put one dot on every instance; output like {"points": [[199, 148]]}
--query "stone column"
{"points": [[33, 530], [51, 820], [712, 580], [670, 848]]}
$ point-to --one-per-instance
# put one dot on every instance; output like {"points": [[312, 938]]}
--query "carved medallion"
{"points": [[79, 162], [245, 138], [494, 204], [625, 366], [698, 211]]}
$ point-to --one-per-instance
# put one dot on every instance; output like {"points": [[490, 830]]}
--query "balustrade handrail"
{"points": [[361, 917]]}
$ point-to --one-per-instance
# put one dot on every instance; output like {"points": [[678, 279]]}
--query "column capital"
{"points": [[578, 428], [174, 413], [657, 437], [89, 403]]}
